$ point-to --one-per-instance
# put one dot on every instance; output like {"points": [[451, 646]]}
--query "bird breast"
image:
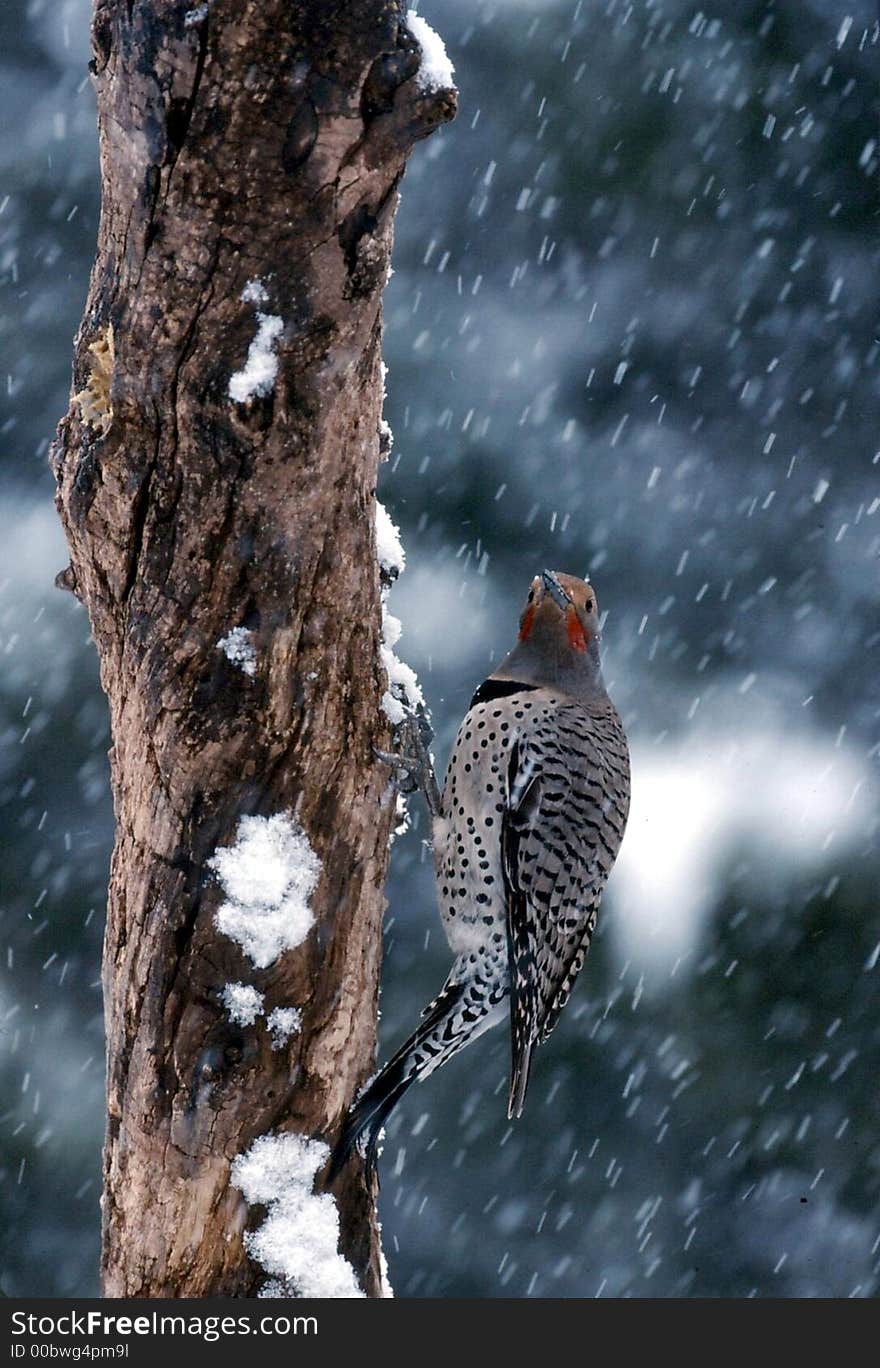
{"points": [[578, 755], [467, 836]]}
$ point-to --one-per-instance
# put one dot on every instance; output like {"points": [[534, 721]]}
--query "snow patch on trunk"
{"points": [[436, 71], [298, 1242], [243, 1003], [389, 548], [387, 1289], [260, 371], [268, 875], [403, 695], [238, 647], [283, 1023]]}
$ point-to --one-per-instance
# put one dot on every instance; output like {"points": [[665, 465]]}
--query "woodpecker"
{"points": [[525, 834]]}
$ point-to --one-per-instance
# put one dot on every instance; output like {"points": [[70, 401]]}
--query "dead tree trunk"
{"points": [[217, 470]]}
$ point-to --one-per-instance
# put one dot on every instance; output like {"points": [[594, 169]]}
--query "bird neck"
{"points": [[552, 664]]}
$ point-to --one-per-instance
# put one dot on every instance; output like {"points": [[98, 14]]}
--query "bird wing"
{"points": [[522, 794], [567, 794]]}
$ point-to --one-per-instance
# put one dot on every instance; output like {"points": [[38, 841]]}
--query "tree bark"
{"points": [[247, 149]]}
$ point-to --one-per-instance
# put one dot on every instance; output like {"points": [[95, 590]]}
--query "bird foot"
{"points": [[414, 771]]}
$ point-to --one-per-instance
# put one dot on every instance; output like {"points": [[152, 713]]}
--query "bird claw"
{"points": [[407, 769], [396, 760], [417, 768]]}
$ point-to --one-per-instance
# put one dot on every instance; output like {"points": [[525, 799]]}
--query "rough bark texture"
{"points": [[239, 142]]}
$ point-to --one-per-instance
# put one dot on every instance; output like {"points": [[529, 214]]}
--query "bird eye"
{"points": [[588, 606]]}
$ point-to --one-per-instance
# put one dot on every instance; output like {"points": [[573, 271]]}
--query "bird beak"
{"points": [[555, 590]]}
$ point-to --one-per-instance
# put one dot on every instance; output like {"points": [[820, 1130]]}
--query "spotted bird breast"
{"points": [[557, 767]]}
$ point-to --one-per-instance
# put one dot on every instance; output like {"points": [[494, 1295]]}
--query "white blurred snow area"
{"points": [[776, 797]]}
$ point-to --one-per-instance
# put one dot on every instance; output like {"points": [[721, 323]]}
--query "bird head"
{"points": [[561, 608], [558, 636]]}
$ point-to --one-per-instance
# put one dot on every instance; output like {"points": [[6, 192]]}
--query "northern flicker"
{"points": [[525, 834]]}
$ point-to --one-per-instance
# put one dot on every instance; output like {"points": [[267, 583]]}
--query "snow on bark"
{"points": [[283, 1022], [387, 1289], [243, 1003], [389, 548], [403, 695], [268, 875], [238, 647], [436, 71], [298, 1242], [260, 370]]}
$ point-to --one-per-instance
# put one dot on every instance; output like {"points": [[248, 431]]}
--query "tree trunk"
{"points": [[250, 156]]}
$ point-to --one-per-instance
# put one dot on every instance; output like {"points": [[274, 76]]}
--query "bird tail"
{"points": [[426, 1048], [519, 1078]]}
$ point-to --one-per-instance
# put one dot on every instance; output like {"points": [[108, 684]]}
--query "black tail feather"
{"points": [[369, 1114], [367, 1117]]}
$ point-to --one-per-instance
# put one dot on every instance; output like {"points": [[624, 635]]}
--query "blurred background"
{"points": [[631, 333]]}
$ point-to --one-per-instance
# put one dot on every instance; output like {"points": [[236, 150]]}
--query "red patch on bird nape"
{"points": [[577, 637], [527, 622]]}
